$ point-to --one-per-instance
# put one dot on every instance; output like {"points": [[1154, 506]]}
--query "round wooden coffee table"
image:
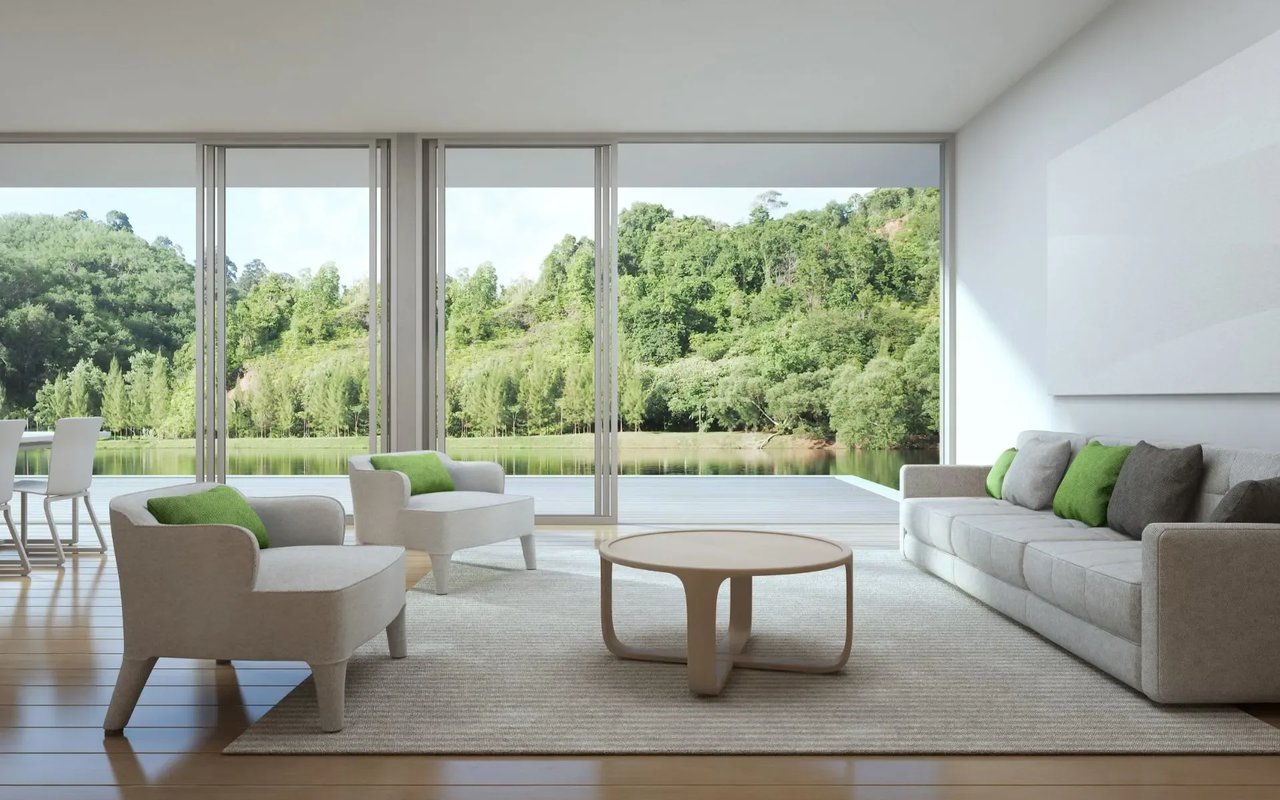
{"points": [[702, 560]]}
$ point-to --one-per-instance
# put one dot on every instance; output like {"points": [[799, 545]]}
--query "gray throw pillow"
{"points": [[1035, 473], [1250, 501], [1155, 485]]}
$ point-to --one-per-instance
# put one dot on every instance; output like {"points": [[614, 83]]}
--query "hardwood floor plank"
{"points": [[208, 675], [634, 793]]}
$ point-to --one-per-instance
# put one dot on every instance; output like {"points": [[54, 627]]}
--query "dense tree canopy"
{"points": [[822, 323]]}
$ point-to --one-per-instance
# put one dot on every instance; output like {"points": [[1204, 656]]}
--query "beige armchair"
{"points": [[207, 591], [477, 512]]}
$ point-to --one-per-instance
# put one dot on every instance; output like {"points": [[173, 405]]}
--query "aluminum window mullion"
{"points": [[220, 317], [373, 272]]}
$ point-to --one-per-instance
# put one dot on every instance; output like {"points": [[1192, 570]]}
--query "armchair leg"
{"points": [[331, 691], [129, 684], [396, 641], [530, 555], [440, 569]]}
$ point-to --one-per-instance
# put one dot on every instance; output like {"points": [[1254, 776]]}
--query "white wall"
{"points": [[1131, 55]]}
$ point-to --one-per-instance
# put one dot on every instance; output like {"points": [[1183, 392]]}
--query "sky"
{"points": [[516, 228], [292, 230], [288, 229]]}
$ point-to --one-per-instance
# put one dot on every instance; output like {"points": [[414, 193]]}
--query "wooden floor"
{"points": [[62, 642]]}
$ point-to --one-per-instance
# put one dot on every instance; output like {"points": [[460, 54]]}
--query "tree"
{"points": [[578, 405], [118, 221], [158, 390], [765, 204], [85, 389], [138, 385], [78, 215], [115, 399]]}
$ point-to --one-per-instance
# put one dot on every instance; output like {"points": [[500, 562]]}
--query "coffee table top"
{"points": [[726, 552]]}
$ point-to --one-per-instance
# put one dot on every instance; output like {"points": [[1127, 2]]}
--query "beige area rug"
{"points": [[512, 662]]}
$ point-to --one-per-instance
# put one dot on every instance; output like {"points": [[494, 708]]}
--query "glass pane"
{"points": [[779, 317], [297, 234], [97, 243], [520, 318]]}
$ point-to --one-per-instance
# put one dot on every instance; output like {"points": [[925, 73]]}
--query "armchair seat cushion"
{"points": [[317, 569], [320, 603], [443, 522]]}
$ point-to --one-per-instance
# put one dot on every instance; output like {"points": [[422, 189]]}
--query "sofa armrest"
{"points": [[1211, 612], [305, 520], [943, 480], [477, 476]]}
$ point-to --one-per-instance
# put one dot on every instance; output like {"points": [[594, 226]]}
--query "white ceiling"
{"points": [[507, 65]]}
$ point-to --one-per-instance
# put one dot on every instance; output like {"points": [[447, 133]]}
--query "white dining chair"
{"points": [[70, 475], [10, 439]]}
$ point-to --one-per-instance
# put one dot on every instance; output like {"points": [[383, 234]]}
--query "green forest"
{"points": [[822, 324]]}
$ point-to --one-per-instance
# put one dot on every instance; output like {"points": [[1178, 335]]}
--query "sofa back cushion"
{"points": [[1036, 471], [1250, 501], [1085, 491], [1224, 467], [1156, 485]]}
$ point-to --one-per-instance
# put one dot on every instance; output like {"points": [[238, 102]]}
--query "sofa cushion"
{"points": [[1099, 582], [1250, 501], [1155, 485], [1035, 473], [1085, 491], [929, 519], [995, 478], [995, 545]]}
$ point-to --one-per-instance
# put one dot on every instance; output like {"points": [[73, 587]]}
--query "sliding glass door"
{"points": [[526, 274], [294, 245], [779, 318], [97, 305]]}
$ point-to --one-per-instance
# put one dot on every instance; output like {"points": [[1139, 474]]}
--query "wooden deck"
{"points": [[642, 499]]}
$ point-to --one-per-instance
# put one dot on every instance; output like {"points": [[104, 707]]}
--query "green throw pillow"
{"points": [[220, 506], [1085, 490], [425, 471], [995, 478]]}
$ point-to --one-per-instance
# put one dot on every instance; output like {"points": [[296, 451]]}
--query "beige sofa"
{"points": [[1188, 614]]}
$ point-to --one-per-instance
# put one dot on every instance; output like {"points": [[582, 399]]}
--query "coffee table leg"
{"points": [[707, 669], [611, 640], [739, 613]]}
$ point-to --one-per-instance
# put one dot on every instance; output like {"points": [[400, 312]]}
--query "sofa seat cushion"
{"points": [[995, 544], [1099, 582], [929, 519]]}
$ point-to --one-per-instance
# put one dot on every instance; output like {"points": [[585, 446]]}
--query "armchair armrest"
{"points": [[308, 520], [477, 476], [378, 496], [1211, 612], [943, 480]]}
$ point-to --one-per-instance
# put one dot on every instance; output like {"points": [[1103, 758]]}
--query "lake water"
{"points": [[306, 458]]}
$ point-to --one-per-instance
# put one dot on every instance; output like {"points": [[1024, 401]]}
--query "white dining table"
{"points": [[39, 440]]}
